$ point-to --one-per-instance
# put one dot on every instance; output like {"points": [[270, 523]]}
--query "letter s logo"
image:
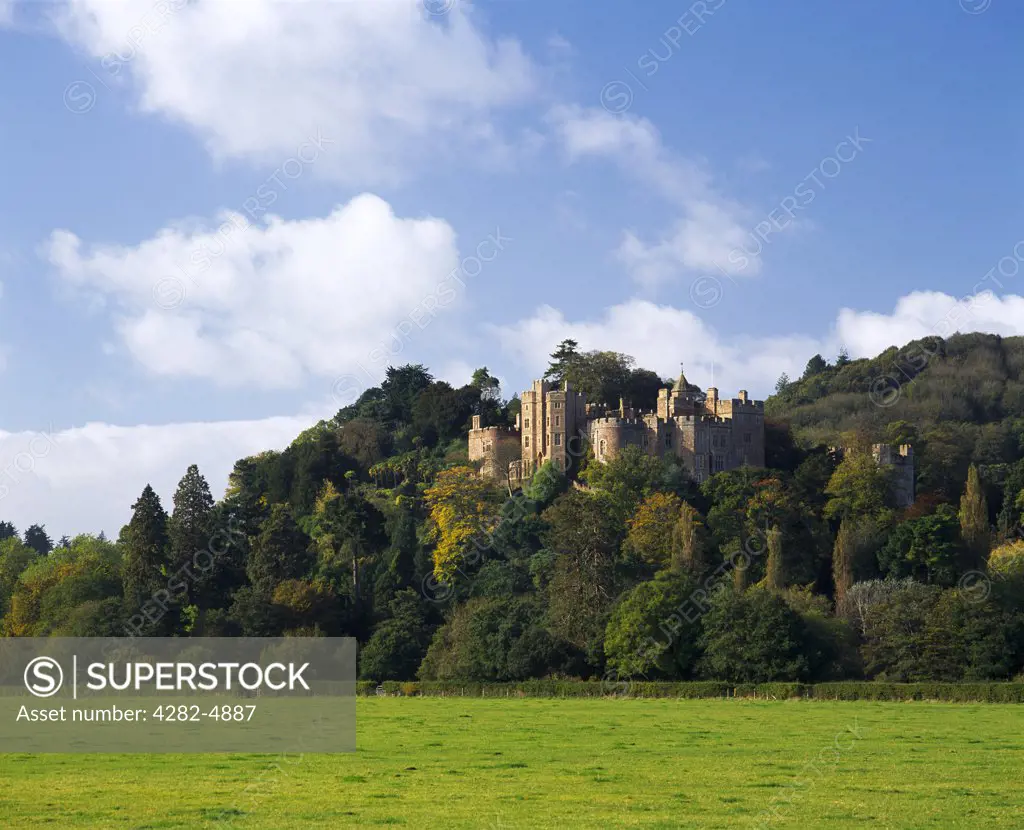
{"points": [[44, 677]]}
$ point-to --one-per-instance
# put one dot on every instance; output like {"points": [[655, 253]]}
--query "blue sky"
{"points": [[625, 155]]}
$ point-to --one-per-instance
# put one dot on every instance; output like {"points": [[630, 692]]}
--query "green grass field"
{"points": [[542, 763]]}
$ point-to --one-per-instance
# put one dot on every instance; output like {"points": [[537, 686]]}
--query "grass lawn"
{"points": [[525, 763]]}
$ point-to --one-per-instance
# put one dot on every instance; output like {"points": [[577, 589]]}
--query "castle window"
{"points": [[558, 404], [668, 440], [602, 447], [526, 423], [558, 439], [526, 440], [558, 420], [488, 446], [747, 438]]}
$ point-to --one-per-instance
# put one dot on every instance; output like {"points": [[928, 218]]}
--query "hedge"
{"points": [[846, 690]]}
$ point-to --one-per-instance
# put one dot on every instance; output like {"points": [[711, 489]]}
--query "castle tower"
{"points": [[552, 421]]}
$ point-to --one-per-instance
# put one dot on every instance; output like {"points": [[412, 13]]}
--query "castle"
{"points": [[708, 433]]}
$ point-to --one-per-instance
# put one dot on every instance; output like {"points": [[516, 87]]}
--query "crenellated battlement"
{"points": [[553, 416]]}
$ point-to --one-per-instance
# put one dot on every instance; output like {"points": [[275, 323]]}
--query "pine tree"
{"points": [[37, 538], [564, 360], [190, 528], [144, 541], [974, 526], [775, 577], [7, 530]]}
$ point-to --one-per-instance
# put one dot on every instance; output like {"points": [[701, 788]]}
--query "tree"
{"points": [[585, 534], [654, 628], [564, 360], [927, 548], [775, 576], [753, 637], [815, 366], [463, 509], [146, 556], [347, 531], [974, 527], [279, 552], [782, 384], [689, 541], [74, 592], [653, 534], [894, 632], [859, 487], [855, 542], [490, 639], [37, 539], [487, 385], [7, 530], [15, 558], [628, 478], [844, 357], [398, 644], [190, 527], [400, 389]]}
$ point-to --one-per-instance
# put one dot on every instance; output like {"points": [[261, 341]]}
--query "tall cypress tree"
{"points": [[775, 577], [844, 556], [144, 541], [190, 529], [688, 550], [974, 526]]}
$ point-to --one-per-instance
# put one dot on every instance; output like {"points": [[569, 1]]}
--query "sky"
{"points": [[221, 220]]}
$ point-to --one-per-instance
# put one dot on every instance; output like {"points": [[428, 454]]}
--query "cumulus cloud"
{"points": [[660, 337], [271, 303], [86, 479], [710, 226], [390, 82]]}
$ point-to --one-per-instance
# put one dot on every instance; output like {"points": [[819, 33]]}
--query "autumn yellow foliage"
{"points": [[463, 511]]}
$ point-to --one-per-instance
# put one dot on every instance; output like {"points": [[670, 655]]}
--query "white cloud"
{"points": [[710, 227], [273, 303], [928, 314], [660, 336], [86, 479], [389, 82]]}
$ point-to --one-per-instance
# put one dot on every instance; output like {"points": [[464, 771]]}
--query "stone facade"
{"points": [[901, 460], [497, 450], [708, 433]]}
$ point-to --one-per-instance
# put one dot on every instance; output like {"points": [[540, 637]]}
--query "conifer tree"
{"points": [[775, 577], [843, 559], [144, 541], [38, 539], [974, 526], [189, 530], [280, 551], [689, 549]]}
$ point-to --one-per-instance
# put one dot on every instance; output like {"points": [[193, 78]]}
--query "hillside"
{"points": [[958, 401]]}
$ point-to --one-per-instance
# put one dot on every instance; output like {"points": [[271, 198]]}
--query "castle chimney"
{"points": [[743, 396], [476, 422]]}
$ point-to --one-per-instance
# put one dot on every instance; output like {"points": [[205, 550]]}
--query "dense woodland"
{"points": [[374, 525]]}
